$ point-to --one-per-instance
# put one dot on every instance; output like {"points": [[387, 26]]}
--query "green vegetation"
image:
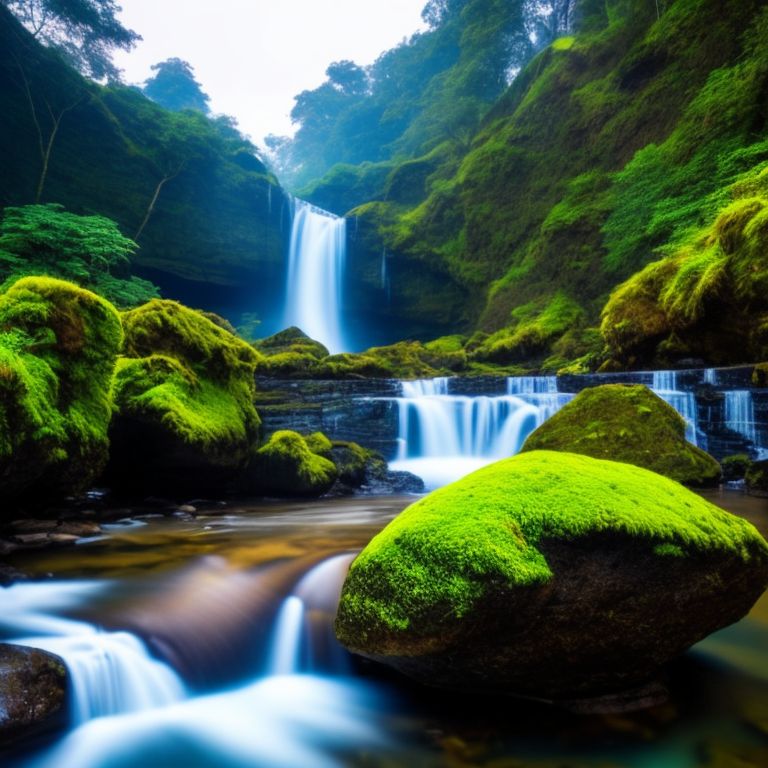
{"points": [[174, 87], [736, 467], [58, 345], [183, 398], [87, 250], [707, 297], [191, 190], [287, 465], [629, 424], [430, 567]]}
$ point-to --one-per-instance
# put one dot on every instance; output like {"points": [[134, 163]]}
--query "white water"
{"points": [[740, 413], [135, 711], [443, 437], [316, 263], [665, 386], [110, 672]]}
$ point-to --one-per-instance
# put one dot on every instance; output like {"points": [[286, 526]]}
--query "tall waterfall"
{"points": [[740, 413], [665, 385], [315, 274]]}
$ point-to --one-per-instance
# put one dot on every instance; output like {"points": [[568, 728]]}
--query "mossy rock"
{"points": [[33, 693], [735, 467], [58, 346], [291, 340], [183, 392], [627, 423], [756, 478], [357, 465], [760, 375], [551, 575], [287, 466]]}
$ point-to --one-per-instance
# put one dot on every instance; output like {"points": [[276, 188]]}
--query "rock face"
{"points": [[58, 345], [757, 479], [33, 687], [183, 399], [550, 575], [629, 424]]}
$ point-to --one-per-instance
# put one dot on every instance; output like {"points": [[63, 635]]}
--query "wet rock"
{"points": [[33, 687], [550, 575], [757, 479]]}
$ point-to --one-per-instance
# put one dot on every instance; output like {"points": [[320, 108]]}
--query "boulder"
{"points": [[756, 479], [58, 346], [184, 414], [550, 575], [33, 687], [627, 423], [285, 465]]}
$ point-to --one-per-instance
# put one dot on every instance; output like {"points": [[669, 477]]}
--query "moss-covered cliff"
{"points": [[611, 145]]}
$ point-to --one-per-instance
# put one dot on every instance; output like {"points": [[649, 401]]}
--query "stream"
{"points": [[207, 641]]}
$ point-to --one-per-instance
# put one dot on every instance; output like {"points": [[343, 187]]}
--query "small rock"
{"points": [[187, 508]]}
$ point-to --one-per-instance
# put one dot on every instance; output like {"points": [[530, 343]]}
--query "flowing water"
{"points": [[442, 436], [208, 642], [316, 263]]}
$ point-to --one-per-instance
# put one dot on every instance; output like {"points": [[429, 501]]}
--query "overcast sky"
{"points": [[253, 56]]}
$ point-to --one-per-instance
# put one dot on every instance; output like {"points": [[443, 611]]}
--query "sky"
{"points": [[253, 56]]}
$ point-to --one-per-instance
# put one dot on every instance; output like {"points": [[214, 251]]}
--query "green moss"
{"points": [[435, 561], [629, 424], [760, 375], [287, 465], [58, 345], [756, 478], [291, 340], [318, 443], [356, 464], [183, 395], [736, 467]]}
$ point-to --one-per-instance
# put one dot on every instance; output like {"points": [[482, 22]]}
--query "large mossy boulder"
{"points": [[627, 423], [286, 465], [551, 575], [58, 346], [33, 686], [184, 390]]}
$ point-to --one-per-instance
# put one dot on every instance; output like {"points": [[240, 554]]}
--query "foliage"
{"points": [[431, 566], [629, 424], [58, 345], [174, 87], [87, 250], [716, 270], [84, 31]]}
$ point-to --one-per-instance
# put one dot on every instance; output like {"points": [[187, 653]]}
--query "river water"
{"points": [[207, 642]]}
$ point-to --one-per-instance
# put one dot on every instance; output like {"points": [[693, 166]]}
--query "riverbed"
{"points": [[239, 599]]}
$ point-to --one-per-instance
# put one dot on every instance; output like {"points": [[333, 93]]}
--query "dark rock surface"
{"points": [[33, 687]]}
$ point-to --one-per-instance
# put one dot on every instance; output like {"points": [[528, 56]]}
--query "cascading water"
{"points": [[316, 263], [443, 437], [740, 413], [664, 384], [110, 672], [137, 711]]}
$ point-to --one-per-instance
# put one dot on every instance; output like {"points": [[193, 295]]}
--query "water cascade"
{"points": [[740, 413], [110, 672], [443, 437], [315, 274], [664, 384]]}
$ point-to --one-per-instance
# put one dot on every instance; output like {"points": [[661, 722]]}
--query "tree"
{"points": [[87, 250], [174, 87], [347, 77], [84, 31]]}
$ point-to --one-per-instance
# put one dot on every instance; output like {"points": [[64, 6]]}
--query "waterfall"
{"points": [[740, 413], [110, 672], [316, 263], [303, 638], [442, 437], [665, 386]]}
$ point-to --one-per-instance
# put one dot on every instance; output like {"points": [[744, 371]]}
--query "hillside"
{"points": [[216, 236], [606, 152]]}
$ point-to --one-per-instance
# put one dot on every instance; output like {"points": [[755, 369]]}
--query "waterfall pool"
{"points": [[215, 633]]}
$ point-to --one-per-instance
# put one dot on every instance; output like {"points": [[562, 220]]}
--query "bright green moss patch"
{"points": [[629, 424], [58, 345], [183, 396], [286, 465], [432, 565]]}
